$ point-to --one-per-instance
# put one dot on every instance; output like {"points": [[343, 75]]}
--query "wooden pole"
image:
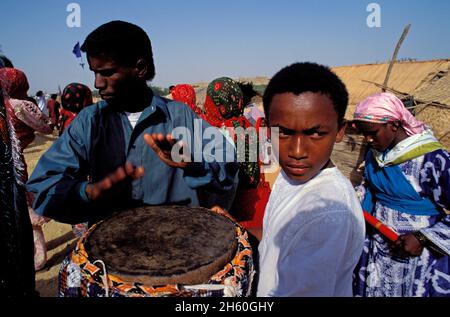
{"points": [[403, 94], [394, 57]]}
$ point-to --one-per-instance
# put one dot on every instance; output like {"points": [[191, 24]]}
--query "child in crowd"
{"points": [[313, 230]]}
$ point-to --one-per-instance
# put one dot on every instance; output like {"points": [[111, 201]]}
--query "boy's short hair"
{"points": [[122, 40], [308, 77]]}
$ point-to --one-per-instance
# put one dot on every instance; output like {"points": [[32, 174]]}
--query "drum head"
{"points": [[164, 245]]}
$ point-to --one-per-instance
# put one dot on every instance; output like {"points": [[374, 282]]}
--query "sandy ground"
{"points": [[59, 237]]}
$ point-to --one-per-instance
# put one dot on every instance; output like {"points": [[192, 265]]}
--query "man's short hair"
{"points": [[122, 40], [308, 77]]}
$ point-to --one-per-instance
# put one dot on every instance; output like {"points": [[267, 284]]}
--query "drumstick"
{"points": [[383, 229]]}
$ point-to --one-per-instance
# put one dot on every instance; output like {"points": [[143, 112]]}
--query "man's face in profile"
{"points": [[114, 80]]}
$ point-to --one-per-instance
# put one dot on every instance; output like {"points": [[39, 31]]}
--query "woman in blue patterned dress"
{"points": [[407, 188]]}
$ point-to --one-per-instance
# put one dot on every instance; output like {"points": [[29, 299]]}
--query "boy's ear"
{"points": [[142, 68], [341, 132]]}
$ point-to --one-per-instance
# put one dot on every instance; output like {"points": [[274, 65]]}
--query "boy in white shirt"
{"points": [[314, 227]]}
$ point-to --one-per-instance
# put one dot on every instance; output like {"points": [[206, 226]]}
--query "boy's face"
{"points": [[116, 82], [308, 129]]}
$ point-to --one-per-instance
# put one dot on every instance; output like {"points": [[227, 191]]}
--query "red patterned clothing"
{"points": [[75, 97], [53, 110], [186, 94], [66, 117], [27, 118], [14, 82], [224, 109]]}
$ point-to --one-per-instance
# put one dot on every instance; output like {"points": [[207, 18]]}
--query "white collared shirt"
{"points": [[313, 237]]}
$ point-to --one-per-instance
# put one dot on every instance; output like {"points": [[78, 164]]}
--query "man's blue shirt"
{"points": [[101, 139]]}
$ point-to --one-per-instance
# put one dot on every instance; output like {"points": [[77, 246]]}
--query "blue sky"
{"points": [[199, 40]]}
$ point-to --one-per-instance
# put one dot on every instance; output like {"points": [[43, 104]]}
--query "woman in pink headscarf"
{"points": [[406, 187], [26, 118]]}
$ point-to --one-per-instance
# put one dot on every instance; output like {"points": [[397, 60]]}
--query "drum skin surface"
{"points": [[164, 245], [163, 251]]}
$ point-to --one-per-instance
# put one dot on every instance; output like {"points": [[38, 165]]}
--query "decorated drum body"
{"points": [[160, 252]]}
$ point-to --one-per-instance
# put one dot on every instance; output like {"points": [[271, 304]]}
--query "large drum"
{"points": [[160, 251]]}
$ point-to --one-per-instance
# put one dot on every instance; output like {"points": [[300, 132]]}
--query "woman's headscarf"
{"points": [[224, 104], [14, 82], [224, 108], [386, 107], [186, 94], [25, 116], [76, 97]]}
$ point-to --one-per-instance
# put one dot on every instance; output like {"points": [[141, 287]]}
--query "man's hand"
{"points": [[219, 210], [96, 190], [407, 245], [163, 148]]}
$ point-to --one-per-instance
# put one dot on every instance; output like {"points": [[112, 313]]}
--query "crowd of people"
{"points": [[308, 232]]}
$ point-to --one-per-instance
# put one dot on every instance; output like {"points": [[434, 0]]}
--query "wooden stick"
{"points": [[422, 102], [394, 57]]}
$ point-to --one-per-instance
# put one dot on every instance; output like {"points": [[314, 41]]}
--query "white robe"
{"points": [[42, 104], [313, 237]]}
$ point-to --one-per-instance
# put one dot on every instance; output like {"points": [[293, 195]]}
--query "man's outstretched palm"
{"points": [[95, 190]]}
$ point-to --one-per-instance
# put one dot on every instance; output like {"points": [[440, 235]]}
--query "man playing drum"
{"points": [[117, 153]]}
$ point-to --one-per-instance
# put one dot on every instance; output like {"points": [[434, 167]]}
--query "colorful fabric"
{"points": [[253, 114], [224, 109], [16, 241], [26, 116], [66, 118], [80, 229], [408, 149], [28, 119], [252, 202], [386, 107], [186, 94], [379, 273], [224, 103], [14, 83], [390, 187], [53, 109], [75, 97], [81, 276]]}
